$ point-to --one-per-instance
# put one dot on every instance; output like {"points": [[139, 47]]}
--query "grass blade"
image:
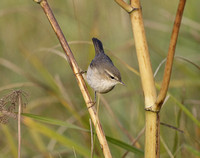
{"points": [[125, 146], [69, 125], [53, 121], [192, 150], [60, 138]]}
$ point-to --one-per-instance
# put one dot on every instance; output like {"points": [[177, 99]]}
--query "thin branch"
{"points": [[72, 62], [170, 57], [74, 151], [19, 123], [172, 127], [92, 141], [178, 57], [119, 124], [166, 147], [135, 141], [124, 5], [189, 61]]}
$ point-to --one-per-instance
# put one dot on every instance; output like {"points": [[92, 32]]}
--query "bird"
{"points": [[102, 75]]}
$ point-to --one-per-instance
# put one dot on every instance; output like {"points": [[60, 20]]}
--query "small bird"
{"points": [[102, 75]]}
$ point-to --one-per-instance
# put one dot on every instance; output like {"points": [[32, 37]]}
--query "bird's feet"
{"points": [[91, 104], [81, 72]]}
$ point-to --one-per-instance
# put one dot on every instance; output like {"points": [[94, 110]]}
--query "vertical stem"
{"points": [[152, 135], [92, 142], [170, 56], [148, 85], [143, 57], [152, 106], [19, 124]]}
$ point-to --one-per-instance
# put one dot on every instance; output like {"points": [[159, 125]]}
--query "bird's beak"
{"points": [[122, 83]]}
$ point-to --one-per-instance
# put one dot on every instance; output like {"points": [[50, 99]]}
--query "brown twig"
{"points": [[124, 5], [170, 57], [119, 124], [92, 141], [135, 141], [172, 127], [88, 100], [19, 123], [152, 102], [7, 106]]}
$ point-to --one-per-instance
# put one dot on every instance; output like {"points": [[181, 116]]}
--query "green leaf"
{"points": [[185, 110], [69, 125], [53, 121], [10, 141], [125, 146], [71, 144]]}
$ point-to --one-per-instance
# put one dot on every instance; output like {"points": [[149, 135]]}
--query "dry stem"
{"points": [[152, 104], [124, 5], [152, 118], [92, 141], [170, 57], [79, 77], [19, 124], [146, 72], [148, 85]]}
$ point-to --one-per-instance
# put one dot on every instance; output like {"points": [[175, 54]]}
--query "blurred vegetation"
{"points": [[30, 60]]}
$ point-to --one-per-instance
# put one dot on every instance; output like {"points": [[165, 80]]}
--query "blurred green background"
{"points": [[30, 60]]}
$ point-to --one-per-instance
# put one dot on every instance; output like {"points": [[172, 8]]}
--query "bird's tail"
{"points": [[98, 46]]}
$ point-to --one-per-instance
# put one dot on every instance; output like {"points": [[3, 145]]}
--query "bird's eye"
{"points": [[112, 77]]}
